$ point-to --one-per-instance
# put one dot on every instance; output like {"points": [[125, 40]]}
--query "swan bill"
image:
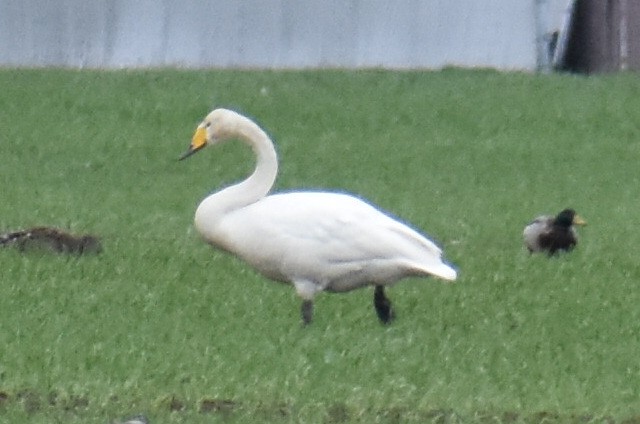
{"points": [[198, 141], [189, 152]]}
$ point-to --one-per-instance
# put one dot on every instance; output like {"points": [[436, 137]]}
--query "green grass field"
{"points": [[161, 324]]}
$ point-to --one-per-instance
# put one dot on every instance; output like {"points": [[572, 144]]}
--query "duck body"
{"points": [[317, 241], [552, 234]]}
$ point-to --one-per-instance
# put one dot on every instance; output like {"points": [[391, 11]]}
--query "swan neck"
{"points": [[246, 192], [258, 184]]}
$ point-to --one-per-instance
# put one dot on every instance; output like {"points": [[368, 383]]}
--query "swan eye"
{"points": [[208, 124]]}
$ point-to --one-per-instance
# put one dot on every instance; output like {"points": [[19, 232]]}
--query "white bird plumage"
{"points": [[316, 241]]}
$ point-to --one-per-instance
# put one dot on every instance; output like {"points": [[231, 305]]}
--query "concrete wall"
{"points": [[269, 33]]}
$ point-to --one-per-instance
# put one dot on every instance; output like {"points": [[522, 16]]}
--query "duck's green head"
{"points": [[569, 217]]}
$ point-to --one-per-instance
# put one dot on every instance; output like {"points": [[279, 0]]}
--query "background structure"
{"points": [[502, 34]]}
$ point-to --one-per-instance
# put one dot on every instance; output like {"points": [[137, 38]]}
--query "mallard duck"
{"points": [[553, 233], [316, 241]]}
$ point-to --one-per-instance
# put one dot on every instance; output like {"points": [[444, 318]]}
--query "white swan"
{"points": [[317, 241]]}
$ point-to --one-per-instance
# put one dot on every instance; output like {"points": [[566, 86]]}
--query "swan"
{"points": [[316, 241], [553, 233]]}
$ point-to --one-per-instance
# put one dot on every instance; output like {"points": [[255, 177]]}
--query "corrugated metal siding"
{"points": [[268, 33]]}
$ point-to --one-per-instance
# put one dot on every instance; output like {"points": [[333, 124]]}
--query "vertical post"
{"points": [[543, 55], [624, 35]]}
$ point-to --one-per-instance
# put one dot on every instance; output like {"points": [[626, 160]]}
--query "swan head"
{"points": [[219, 125]]}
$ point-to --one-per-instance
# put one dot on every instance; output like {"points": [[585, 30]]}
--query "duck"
{"points": [[315, 241], [552, 234]]}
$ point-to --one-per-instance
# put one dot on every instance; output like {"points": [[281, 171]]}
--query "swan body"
{"points": [[316, 241], [551, 234]]}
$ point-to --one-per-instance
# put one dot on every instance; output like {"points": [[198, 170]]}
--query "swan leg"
{"points": [[385, 312], [306, 311], [306, 290]]}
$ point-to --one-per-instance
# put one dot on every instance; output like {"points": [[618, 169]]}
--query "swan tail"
{"points": [[439, 270]]}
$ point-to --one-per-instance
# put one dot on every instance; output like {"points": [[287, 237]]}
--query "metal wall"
{"points": [[269, 33]]}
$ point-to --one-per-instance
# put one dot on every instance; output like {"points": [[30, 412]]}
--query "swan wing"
{"points": [[329, 233]]}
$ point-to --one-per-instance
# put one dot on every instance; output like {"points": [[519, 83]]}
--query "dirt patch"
{"points": [[174, 404], [338, 413], [4, 399], [224, 406], [33, 401]]}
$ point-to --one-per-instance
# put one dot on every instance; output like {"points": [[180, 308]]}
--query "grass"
{"points": [[162, 325]]}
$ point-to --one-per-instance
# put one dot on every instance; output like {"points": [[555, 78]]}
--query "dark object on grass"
{"points": [[553, 233], [52, 239]]}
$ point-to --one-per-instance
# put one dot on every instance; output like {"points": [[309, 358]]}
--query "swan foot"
{"points": [[385, 312], [306, 311]]}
